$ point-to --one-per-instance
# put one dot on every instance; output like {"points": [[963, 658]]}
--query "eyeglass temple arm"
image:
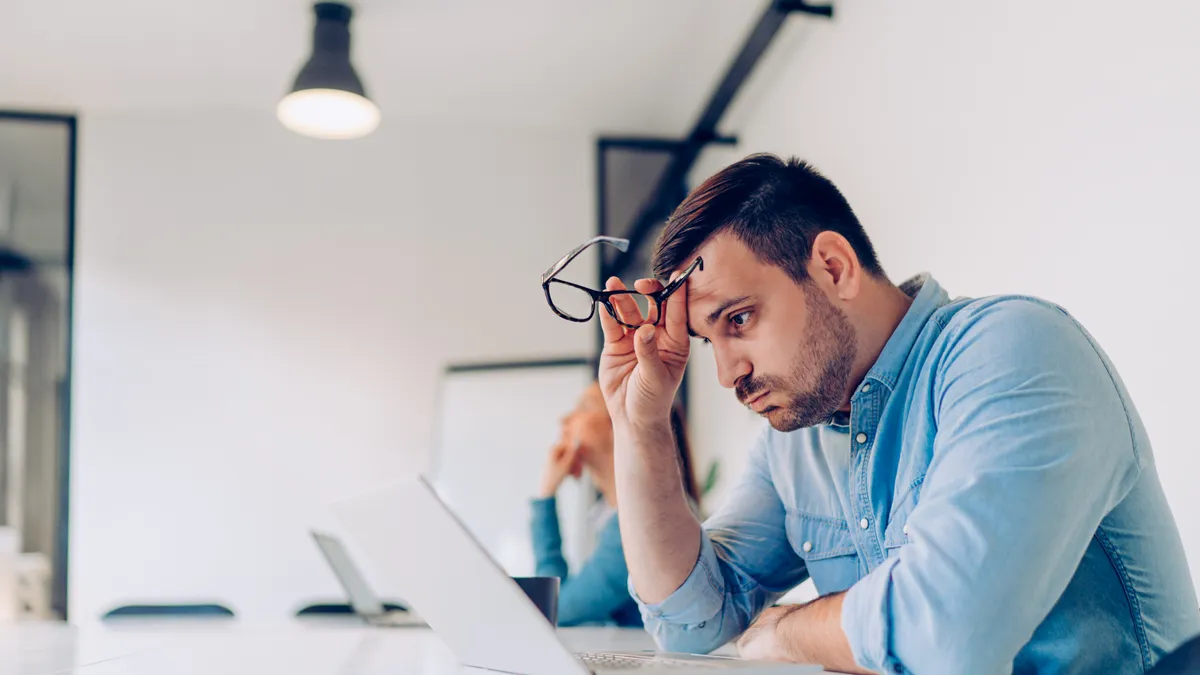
{"points": [[670, 288], [616, 242]]}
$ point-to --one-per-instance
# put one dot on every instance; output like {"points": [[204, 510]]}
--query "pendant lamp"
{"points": [[327, 99]]}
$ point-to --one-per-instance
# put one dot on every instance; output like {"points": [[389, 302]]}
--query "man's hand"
{"points": [[641, 370], [565, 460], [762, 641]]}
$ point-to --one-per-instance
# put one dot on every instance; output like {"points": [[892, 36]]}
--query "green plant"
{"points": [[711, 478]]}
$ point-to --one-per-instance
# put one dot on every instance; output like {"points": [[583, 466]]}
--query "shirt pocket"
{"points": [[827, 548], [898, 533]]}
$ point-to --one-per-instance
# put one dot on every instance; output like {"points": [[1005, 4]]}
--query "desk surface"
{"points": [[200, 647]]}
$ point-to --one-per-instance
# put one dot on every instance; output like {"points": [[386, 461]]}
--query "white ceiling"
{"points": [[638, 66]]}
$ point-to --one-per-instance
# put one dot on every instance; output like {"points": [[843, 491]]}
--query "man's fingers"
{"points": [[648, 287], [626, 308], [677, 313], [647, 354], [613, 331]]}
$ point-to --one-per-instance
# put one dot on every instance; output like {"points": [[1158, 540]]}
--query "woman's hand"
{"points": [[565, 459]]}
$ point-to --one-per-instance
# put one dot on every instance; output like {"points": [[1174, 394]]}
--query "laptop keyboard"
{"points": [[602, 661]]}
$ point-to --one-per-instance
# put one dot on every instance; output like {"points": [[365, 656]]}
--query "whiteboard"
{"points": [[495, 427]]}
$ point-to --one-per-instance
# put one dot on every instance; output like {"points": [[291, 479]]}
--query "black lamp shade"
{"points": [[329, 66], [327, 99]]}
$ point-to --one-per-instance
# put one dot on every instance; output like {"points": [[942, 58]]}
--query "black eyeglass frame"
{"points": [[605, 297]]}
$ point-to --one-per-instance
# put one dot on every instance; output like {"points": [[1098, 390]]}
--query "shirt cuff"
{"points": [[700, 597], [866, 622], [545, 507]]}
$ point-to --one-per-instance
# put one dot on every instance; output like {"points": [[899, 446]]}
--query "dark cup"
{"points": [[543, 591]]}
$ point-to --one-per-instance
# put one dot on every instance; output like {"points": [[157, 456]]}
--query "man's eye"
{"points": [[740, 318]]}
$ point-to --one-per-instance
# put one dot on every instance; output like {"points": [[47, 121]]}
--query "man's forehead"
{"points": [[707, 289], [702, 287], [731, 272], [728, 264]]}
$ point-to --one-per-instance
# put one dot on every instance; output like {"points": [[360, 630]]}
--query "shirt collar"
{"points": [[927, 297]]}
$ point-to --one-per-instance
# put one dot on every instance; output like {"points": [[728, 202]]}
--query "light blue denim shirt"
{"points": [[991, 503]]}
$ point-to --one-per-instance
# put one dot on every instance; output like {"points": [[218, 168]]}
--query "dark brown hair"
{"points": [[775, 207]]}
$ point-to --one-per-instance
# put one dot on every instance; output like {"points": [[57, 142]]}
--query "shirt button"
{"points": [[905, 529], [861, 438], [866, 388], [807, 546], [864, 523]]}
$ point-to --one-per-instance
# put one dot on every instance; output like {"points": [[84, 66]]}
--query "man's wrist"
{"points": [[785, 639], [812, 633], [644, 430]]}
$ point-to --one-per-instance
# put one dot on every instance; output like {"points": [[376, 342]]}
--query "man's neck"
{"points": [[885, 308]]}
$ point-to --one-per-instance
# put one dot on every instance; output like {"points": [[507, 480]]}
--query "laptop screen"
{"points": [[362, 598]]}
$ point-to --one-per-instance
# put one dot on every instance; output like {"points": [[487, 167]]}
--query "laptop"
{"points": [[476, 608], [362, 599]]}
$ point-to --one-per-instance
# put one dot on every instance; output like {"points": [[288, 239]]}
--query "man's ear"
{"points": [[834, 265]]}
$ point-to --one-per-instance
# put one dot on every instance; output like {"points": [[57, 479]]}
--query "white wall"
{"points": [[1033, 147], [261, 320]]}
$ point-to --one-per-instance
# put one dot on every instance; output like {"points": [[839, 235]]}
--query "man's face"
{"points": [[783, 347]]}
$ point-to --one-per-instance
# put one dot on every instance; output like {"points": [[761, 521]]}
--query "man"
{"points": [[967, 482]]}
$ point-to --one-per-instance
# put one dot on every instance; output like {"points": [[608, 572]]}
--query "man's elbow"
{"points": [[951, 647], [698, 638], [679, 642]]}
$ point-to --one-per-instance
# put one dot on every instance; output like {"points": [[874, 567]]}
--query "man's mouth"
{"points": [[758, 403]]}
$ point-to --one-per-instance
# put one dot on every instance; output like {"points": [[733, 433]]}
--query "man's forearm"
{"points": [[660, 534], [812, 633]]}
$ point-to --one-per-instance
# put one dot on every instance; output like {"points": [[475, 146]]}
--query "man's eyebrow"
{"points": [[714, 315]]}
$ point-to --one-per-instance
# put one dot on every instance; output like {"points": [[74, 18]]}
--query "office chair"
{"points": [[328, 609], [205, 610]]}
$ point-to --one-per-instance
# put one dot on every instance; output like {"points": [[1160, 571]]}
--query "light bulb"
{"points": [[328, 113]]}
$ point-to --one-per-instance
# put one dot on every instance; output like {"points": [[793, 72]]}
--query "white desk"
{"points": [[231, 647]]}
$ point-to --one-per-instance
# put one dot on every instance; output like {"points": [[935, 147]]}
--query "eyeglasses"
{"points": [[578, 303]]}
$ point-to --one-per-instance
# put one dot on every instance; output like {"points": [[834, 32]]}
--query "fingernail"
{"points": [[648, 334]]}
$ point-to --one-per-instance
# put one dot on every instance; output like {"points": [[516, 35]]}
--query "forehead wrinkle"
{"points": [[694, 297]]}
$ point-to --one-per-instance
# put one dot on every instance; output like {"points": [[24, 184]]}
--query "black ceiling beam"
{"points": [[655, 144], [672, 186], [802, 6]]}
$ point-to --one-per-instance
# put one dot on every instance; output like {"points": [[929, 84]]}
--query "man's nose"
{"points": [[731, 367]]}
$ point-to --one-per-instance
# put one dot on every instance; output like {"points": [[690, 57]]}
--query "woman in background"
{"points": [[598, 592]]}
